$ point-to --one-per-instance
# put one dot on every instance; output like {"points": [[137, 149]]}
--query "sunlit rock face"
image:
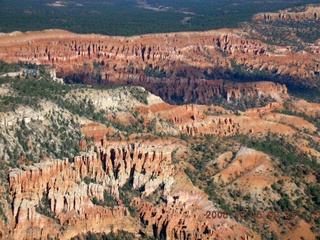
{"points": [[172, 66], [69, 198]]}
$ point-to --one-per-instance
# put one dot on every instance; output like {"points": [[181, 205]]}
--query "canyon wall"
{"points": [[179, 67], [208, 91], [56, 198], [195, 120], [311, 12], [70, 207]]}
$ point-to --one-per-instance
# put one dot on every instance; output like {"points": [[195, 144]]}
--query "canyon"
{"points": [[161, 131], [148, 166], [138, 183], [304, 13], [179, 67]]}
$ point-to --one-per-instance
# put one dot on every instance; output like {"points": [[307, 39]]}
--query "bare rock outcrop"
{"points": [[59, 184], [172, 65], [60, 194], [199, 119], [311, 12]]}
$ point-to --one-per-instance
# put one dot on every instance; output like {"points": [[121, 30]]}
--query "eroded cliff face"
{"points": [[195, 120], [295, 30], [208, 92], [173, 66], [58, 46], [310, 12], [137, 183], [60, 183], [58, 186]]}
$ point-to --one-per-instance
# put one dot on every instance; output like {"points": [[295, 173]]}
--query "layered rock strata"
{"points": [[199, 119], [173, 65], [70, 199], [311, 12], [60, 186]]}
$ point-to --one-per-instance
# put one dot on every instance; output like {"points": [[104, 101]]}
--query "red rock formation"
{"points": [[198, 119], [83, 145], [184, 58], [312, 12], [184, 216], [206, 91], [61, 182], [70, 202], [98, 132]]}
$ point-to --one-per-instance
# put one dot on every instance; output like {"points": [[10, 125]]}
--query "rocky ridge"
{"points": [[70, 199], [142, 178], [310, 12], [153, 182], [168, 64]]}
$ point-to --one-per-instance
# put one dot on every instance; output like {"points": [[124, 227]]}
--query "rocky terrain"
{"points": [[141, 180], [295, 29], [310, 12], [140, 165], [194, 135], [168, 64]]}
